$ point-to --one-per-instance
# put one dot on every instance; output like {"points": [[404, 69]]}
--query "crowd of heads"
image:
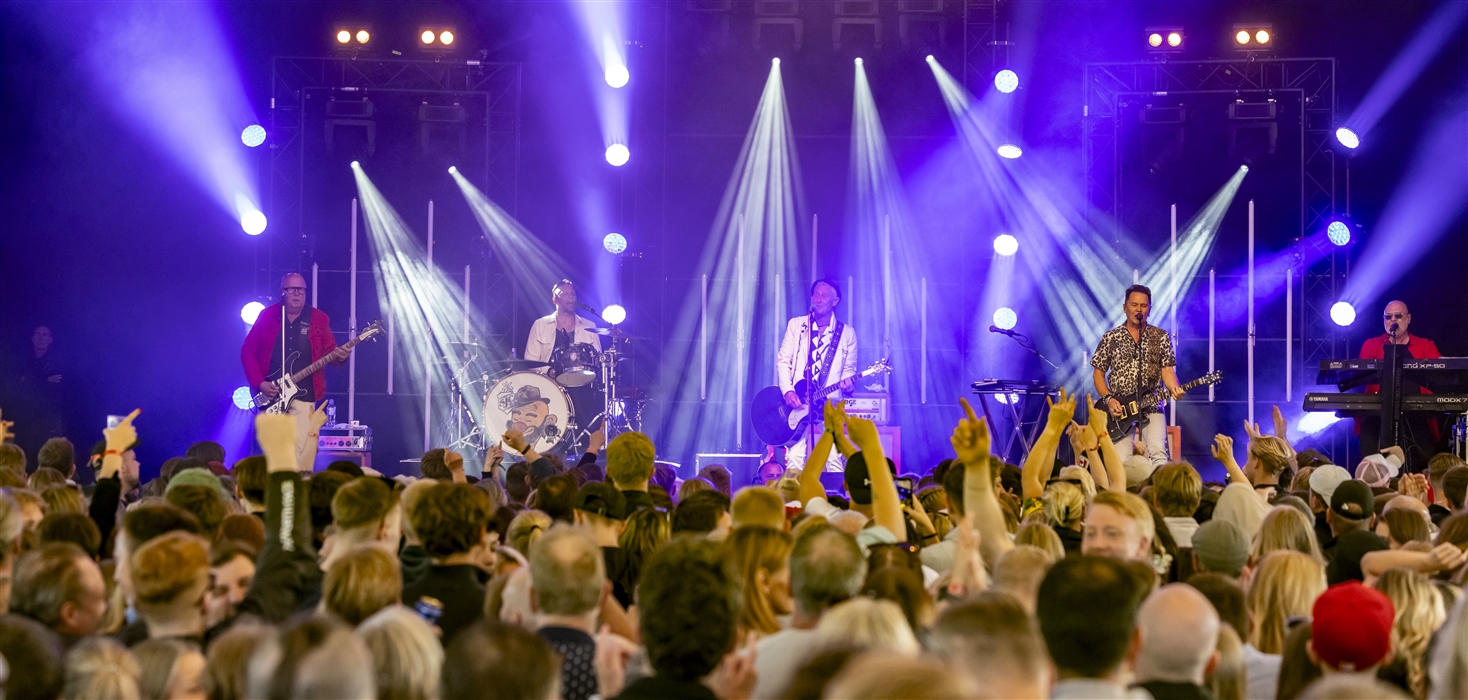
{"points": [[613, 576]]}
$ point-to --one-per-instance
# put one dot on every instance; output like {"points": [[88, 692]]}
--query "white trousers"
{"points": [[795, 455], [1153, 428], [301, 411]]}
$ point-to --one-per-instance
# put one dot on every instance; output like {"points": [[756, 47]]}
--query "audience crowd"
{"points": [[611, 578]]}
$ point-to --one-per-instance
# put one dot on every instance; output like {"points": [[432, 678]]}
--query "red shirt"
{"points": [[255, 355], [1420, 348]]}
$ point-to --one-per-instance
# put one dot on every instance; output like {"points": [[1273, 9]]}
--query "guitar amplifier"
{"points": [[344, 437], [874, 407]]}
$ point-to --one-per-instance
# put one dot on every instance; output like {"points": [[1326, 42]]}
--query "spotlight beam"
{"points": [[1404, 69], [533, 267]]}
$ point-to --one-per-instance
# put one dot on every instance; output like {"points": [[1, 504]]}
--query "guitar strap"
{"points": [[829, 357]]}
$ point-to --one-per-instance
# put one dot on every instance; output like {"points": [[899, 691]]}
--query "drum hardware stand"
{"points": [[474, 439]]}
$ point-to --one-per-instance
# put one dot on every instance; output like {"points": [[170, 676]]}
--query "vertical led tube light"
{"points": [[1289, 334], [703, 342], [923, 344], [1253, 332], [466, 305], [740, 341], [352, 323], [1172, 305], [428, 352], [1212, 320]]}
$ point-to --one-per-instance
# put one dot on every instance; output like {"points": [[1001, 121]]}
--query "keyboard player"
{"points": [[1418, 431]]}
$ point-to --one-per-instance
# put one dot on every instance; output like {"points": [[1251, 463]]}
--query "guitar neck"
{"points": [[1159, 394], [316, 366]]}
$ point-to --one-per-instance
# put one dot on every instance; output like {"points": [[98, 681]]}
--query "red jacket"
{"points": [[1420, 349], [260, 342]]}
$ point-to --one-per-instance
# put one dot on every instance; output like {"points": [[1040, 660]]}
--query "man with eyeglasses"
{"points": [[285, 339], [1419, 432]]}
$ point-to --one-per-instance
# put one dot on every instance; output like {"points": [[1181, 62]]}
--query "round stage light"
{"points": [[1174, 39], [1006, 81], [253, 222], [1006, 245], [427, 36], [1242, 37], [1315, 422], [858, 60], [775, 61], [363, 36], [1262, 36], [1005, 318], [343, 36], [617, 75], [929, 58], [453, 170], [1348, 138], [1007, 399], [1154, 40], [355, 164], [253, 135], [614, 314], [1009, 151], [1338, 232], [614, 242], [1342, 313], [617, 154], [242, 398], [251, 311], [446, 38]]}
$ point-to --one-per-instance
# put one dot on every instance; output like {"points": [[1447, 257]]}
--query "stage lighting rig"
{"points": [[438, 39], [351, 36], [614, 243], [1164, 40], [1253, 36]]}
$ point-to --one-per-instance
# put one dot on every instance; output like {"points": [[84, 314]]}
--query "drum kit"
{"points": [[536, 398]]}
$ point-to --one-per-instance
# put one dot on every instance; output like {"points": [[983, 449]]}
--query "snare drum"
{"points": [[533, 404], [576, 365]]}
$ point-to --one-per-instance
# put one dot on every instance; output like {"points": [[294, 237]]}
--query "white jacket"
{"points": [[791, 360], [542, 338]]}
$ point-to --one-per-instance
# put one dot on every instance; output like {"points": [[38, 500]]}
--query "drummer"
{"points": [[560, 329], [563, 329]]}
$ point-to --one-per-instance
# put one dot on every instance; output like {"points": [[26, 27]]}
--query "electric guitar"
{"points": [[288, 387], [778, 424], [1133, 407]]}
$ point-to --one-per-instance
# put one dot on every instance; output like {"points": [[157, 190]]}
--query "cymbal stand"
{"points": [[461, 413]]}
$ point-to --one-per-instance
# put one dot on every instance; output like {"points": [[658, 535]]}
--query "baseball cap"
{"points": [[1376, 470], [601, 498], [1221, 546], [1325, 479], [1137, 468], [1353, 499], [859, 481], [1352, 627]]}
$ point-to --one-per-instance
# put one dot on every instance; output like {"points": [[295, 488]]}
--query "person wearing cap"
{"points": [[1323, 482], [601, 510], [1351, 508], [1220, 547], [1352, 630], [873, 493], [1378, 470]]}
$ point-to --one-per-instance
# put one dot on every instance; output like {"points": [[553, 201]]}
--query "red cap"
{"points": [[1352, 629]]}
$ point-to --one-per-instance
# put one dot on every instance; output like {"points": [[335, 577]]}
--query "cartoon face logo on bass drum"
{"points": [[540, 413]]}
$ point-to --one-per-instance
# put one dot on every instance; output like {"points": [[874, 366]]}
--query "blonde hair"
{"points": [[63, 499], [1177, 489], [1228, 680], [168, 568], [362, 581], [1088, 482], [1271, 452], [100, 667], [758, 505], [875, 676], [630, 459], [406, 655], [1286, 528], [1043, 536], [1064, 504], [753, 549], [1419, 612], [878, 625], [526, 529], [12, 525], [1132, 506], [408, 498], [1285, 585]]}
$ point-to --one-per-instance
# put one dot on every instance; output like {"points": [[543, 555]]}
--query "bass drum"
{"points": [[533, 404]]}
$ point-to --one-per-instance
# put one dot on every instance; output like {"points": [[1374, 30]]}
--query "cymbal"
{"points": [[613, 332], [517, 363], [468, 345]]}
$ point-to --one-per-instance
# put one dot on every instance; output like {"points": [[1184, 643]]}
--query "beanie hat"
{"points": [[1220, 546], [198, 477]]}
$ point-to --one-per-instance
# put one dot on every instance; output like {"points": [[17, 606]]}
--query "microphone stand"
{"points": [[1024, 342], [810, 387]]}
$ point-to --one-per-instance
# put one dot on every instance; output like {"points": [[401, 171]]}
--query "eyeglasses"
{"points": [[292, 290], [1388, 317]]}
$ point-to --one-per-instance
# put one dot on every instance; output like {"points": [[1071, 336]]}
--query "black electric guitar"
{"points": [[288, 387], [778, 424], [1132, 407]]}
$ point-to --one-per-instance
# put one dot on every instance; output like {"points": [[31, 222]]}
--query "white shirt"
{"points": [[778, 658], [1261, 673], [1182, 529], [542, 338], [790, 362]]}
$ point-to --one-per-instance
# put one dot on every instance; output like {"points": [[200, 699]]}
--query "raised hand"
{"points": [[863, 432], [1281, 426], [318, 417], [5, 425], [454, 461], [970, 437], [1097, 419], [1252, 429], [1414, 485], [515, 440], [123, 435], [1061, 412], [276, 434], [1447, 557], [597, 440], [1082, 440], [1223, 448]]}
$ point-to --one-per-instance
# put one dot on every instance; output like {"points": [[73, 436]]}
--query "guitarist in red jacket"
{"points": [[294, 335]]}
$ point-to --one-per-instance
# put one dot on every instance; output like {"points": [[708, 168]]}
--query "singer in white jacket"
{"points": [[835, 362]]}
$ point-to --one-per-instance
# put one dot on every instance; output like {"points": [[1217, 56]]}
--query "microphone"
{"points": [[584, 307], [1394, 329], [997, 329]]}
